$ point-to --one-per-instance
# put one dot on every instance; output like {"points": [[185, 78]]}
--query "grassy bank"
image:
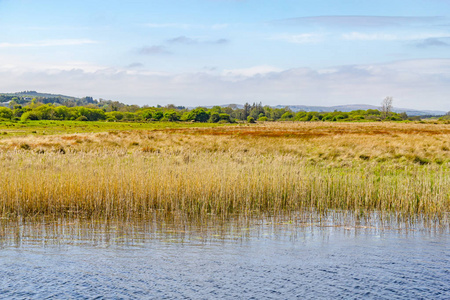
{"points": [[46, 127], [272, 167]]}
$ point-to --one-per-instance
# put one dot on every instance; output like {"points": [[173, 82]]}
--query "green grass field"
{"points": [[71, 127]]}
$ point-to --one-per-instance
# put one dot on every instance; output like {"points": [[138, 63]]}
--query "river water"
{"points": [[257, 258]]}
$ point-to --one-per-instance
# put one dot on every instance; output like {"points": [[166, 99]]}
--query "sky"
{"points": [[212, 52]]}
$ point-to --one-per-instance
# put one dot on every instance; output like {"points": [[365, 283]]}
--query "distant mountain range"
{"points": [[351, 107], [32, 94], [295, 108]]}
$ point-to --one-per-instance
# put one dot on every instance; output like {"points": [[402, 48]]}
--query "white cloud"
{"points": [[358, 36], [49, 43], [18, 65], [249, 72], [421, 84], [154, 50], [303, 38], [361, 36], [433, 42], [193, 41], [361, 21]]}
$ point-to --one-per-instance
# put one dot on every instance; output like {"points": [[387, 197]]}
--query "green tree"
{"points": [[158, 115], [214, 118], [225, 117], [198, 115], [247, 108], [5, 113], [171, 116], [287, 116], [29, 115], [147, 115]]}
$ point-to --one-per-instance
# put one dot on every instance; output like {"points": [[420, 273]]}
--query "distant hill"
{"points": [[71, 101], [351, 107], [34, 94], [26, 97]]}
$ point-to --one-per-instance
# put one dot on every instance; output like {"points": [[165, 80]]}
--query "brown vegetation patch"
{"points": [[309, 130]]}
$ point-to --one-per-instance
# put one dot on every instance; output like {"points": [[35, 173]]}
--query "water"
{"points": [[270, 258]]}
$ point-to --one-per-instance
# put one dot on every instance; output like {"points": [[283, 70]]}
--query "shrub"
{"points": [[5, 113], [214, 118], [158, 115], [198, 115], [225, 117], [147, 115], [29, 116], [287, 116], [81, 118]]}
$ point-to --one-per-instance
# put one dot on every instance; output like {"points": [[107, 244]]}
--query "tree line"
{"points": [[37, 110]]}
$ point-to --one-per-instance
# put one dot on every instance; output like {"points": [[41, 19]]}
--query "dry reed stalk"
{"points": [[116, 185], [224, 171]]}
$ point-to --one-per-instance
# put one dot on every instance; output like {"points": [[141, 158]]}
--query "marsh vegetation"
{"points": [[222, 171]]}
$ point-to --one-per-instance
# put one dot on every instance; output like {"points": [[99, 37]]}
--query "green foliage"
{"points": [[214, 118], [147, 115], [92, 114], [219, 117], [171, 116], [128, 116], [30, 115], [287, 116], [82, 118], [262, 119], [5, 113], [250, 119], [338, 118], [225, 117], [373, 112], [158, 115], [114, 115], [198, 115], [116, 111]]}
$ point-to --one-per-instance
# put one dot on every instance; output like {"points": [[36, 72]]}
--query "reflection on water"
{"points": [[298, 255]]}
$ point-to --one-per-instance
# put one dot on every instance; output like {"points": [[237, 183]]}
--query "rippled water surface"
{"points": [[266, 258]]}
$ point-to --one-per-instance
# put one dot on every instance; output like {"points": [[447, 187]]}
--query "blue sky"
{"points": [[204, 52]]}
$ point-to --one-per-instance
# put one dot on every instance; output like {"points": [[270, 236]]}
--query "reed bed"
{"points": [[268, 168]]}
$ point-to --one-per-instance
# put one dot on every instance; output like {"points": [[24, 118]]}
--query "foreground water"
{"points": [[259, 258]]}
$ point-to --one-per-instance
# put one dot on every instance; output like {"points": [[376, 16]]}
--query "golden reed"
{"points": [[272, 167]]}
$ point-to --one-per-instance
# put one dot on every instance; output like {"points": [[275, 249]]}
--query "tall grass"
{"points": [[226, 171]]}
